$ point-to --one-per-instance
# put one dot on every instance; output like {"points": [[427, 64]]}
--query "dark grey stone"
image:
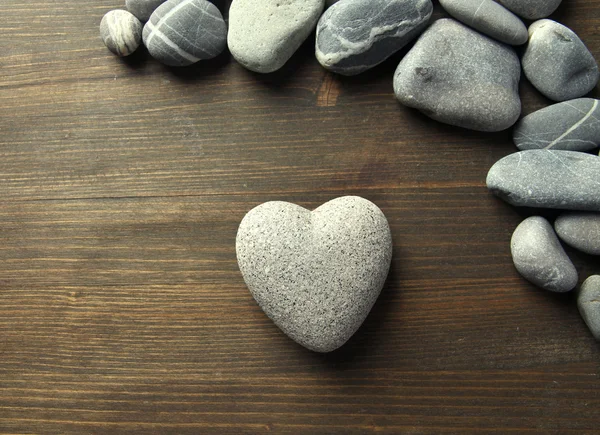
{"points": [[581, 230], [183, 32], [531, 9], [588, 302], [456, 75], [121, 32], [142, 9], [549, 179], [489, 18], [540, 258], [355, 35], [315, 274], [571, 125], [263, 35], [558, 63]]}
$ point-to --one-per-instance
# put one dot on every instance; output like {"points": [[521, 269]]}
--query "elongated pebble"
{"points": [[580, 230]]}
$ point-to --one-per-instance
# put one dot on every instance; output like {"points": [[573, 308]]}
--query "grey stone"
{"points": [[540, 258], [455, 75], [315, 274], [560, 179], [489, 18], [558, 63], [581, 230], [531, 9], [263, 35], [183, 32], [588, 302], [571, 125], [121, 32], [355, 35], [142, 9]]}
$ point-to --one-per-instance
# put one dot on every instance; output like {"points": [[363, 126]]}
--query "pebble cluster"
{"points": [[463, 71]]}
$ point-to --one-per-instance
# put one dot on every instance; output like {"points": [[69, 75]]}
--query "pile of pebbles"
{"points": [[463, 71]]}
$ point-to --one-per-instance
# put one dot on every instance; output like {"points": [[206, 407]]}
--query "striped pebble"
{"points": [[121, 32], [183, 32]]}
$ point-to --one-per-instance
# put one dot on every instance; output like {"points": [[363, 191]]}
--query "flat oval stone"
{"points": [[588, 303], [489, 18], [355, 35], [183, 32], [142, 9], [315, 274], [121, 32], [558, 63], [263, 35], [580, 230], [571, 125], [548, 179], [456, 75], [531, 9], [540, 258]]}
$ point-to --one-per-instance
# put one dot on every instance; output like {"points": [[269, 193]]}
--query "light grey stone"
{"points": [[560, 179], [571, 125], [315, 274], [540, 258], [142, 9], [183, 32], [580, 230], [531, 9], [558, 63], [121, 32], [264, 34], [489, 18], [588, 302], [355, 35], [455, 75]]}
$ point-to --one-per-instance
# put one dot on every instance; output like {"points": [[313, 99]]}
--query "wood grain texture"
{"points": [[122, 310]]}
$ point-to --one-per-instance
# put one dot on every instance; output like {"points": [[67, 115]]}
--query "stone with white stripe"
{"points": [[183, 32], [264, 34], [571, 125], [121, 32], [142, 9], [558, 63], [347, 45]]}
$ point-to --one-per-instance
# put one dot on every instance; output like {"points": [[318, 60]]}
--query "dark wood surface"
{"points": [[122, 310]]}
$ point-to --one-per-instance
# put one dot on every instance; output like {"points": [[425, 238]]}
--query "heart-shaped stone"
{"points": [[315, 274]]}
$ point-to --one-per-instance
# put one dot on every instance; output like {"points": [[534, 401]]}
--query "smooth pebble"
{"points": [[531, 9], [356, 35], [560, 179], [142, 9], [121, 32], [588, 303], [455, 75], [558, 63], [315, 274], [539, 257], [581, 230], [490, 18], [571, 125], [183, 32]]}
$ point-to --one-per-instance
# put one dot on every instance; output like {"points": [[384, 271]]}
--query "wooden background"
{"points": [[122, 310]]}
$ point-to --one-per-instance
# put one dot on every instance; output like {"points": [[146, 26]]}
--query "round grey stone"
{"points": [[121, 32], [588, 303], [580, 230], [571, 125], [355, 35], [456, 75], [183, 32], [489, 18], [558, 63], [263, 35], [548, 179], [540, 258], [531, 9], [142, 9], [315, 274]]}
